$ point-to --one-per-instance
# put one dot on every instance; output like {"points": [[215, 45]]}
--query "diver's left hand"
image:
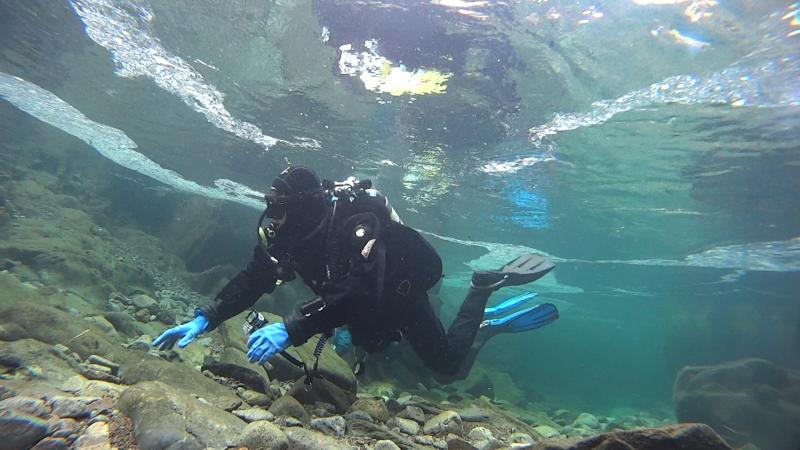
{"points": [[264, 343]]}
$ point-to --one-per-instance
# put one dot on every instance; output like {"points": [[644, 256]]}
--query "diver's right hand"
{"points": [[187, 333]]}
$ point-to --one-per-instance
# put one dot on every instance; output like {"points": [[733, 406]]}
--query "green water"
{"points": [[671, 211]]}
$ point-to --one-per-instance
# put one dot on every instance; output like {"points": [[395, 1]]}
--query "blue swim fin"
{"points": [[523, 320], [507, 305]]}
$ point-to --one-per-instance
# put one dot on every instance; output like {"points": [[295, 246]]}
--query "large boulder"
{"points": [[163, 417], [684, 436], [747, 401]]}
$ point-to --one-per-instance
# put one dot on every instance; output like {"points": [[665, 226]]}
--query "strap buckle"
{"points": [[404, 287], [313, 306]]}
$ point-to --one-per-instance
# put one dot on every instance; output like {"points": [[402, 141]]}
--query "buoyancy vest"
{"points": [[412, 265]]}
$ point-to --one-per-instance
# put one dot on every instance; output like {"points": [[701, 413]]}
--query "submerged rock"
{"points": [[52, 443], [748, 401], [483, 439], [586, 420], [27, 405], [72, 407], [288, 406], [547, 432], [254, 398], [374, 407], [444, 422], [414, 413], [164, 417], [263, 434], [473, 414], [254, 414], [235, 367], [480, 434], [385, 445], [20, 431], [65, 428], [96, 437], [302, 439], [683, 436], [406, 426], [332, 426], [324, 391], [141, 301]]}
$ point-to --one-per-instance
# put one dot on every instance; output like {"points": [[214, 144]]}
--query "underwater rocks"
{"points": [[254, 414], [55, 422], [238, 371], [302, 439], [323, 391], [748, 401], [444, 422], [19, 430], [684, 436], [163, 417], [93, 367], [263, 434], [375, 408], [331, 366], [288, 406], [332, 426]]}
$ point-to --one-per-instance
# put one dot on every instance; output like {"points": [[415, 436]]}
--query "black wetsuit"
{"points": [[368, 296]]}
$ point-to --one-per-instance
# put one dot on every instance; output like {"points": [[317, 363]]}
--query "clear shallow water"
{"points": [[653, 156]]}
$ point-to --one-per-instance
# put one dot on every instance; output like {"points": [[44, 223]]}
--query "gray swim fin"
{"points": [[525, 269]]}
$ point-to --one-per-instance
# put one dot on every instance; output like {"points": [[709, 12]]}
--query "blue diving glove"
{"points": [[187, 333], [265, 342]]}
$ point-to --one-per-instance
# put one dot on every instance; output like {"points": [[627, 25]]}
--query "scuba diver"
{"points": [[369, 272]]}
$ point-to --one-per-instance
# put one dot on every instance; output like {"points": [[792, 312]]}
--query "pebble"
{"points": [[406, 426], [263, 434], [72, 407], [332, 426], [52, 443], [480, 434], [65, 428], [27, 405], [142, 315], [141, 343], [254, 414], [444, 422], [98, 388], [95, 438], [288, 422], [372, 406], [100, 361], [431, 441], [142, 301], [386, 445], [473, 414], [414, 413], [19, 430], [358, 415], [302, 439], [254, 398], [586, 420], [457, 443], [547, 431], [521, 438]]}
